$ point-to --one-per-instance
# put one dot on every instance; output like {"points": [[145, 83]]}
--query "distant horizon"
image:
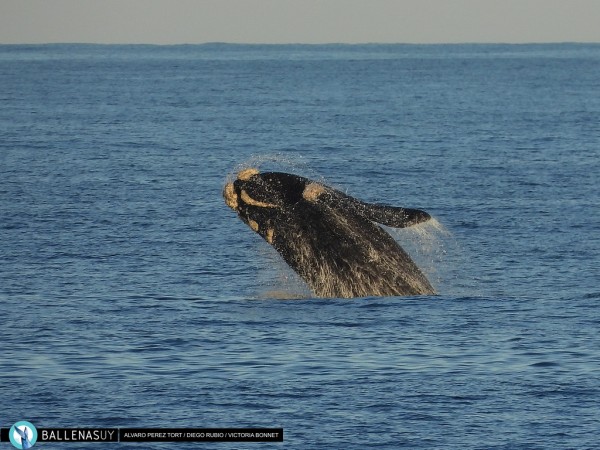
{"points": [[312, 44]]}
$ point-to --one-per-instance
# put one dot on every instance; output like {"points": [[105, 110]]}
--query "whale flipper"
{"points": [[391, 216]]}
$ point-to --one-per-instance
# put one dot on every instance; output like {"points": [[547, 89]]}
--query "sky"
{"points": [[298, 21]]}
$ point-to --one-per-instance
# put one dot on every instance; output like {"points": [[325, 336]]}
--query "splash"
{"points": [[276, 162], [440, 255], [276, 280]]}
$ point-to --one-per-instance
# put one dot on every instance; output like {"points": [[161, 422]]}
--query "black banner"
{"points": [[67, 435]]}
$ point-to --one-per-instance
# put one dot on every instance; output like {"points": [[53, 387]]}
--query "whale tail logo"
{"points": [[23, 435]]}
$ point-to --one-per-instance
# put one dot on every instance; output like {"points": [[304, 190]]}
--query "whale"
{"points": [[333, 241]]}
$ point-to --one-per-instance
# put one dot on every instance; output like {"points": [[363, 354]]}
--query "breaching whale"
{"points": [[332, 240]]}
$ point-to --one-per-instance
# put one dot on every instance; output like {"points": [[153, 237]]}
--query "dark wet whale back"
{"points": [[330, 239]]}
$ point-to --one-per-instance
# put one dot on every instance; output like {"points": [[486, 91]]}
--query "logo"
{"points": [[23, 435]]}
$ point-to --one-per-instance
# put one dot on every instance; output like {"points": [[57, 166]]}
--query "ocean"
{"points": [[132, 296]]}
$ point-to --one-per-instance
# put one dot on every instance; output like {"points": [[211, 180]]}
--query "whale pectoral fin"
{"points": [[395, 217], [391, 216]]}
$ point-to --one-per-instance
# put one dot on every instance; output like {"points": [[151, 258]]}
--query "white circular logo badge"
{"points": [[23, 435]]}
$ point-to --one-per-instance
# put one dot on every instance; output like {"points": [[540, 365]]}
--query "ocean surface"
{"points": [[132, 296]]}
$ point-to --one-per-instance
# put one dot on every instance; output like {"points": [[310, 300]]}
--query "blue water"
{"points": [[132, 296]]}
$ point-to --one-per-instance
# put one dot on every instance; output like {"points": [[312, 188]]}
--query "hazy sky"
{"points": [[305, 21]]}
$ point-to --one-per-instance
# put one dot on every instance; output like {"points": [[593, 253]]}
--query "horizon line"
{"points": [[306, 43]]}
